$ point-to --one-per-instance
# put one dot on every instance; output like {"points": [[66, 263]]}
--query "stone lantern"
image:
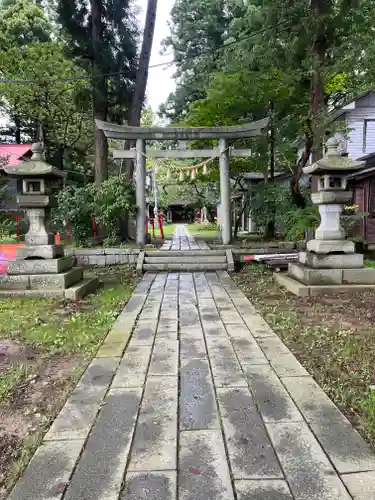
{"points": [[41, 268], [330, 262]]}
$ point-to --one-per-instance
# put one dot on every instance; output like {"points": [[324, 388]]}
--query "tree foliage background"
{"points": [[242, 60]]}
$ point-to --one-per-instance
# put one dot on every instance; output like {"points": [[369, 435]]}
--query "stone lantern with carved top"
{"points": [[41, 268], [330, 262], [37, 185]]}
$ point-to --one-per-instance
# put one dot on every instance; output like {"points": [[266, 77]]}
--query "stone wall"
{"points": [[104, 256]]}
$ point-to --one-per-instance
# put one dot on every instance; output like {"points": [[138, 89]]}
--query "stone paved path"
{"points": [[183, 241], [192, 396]]}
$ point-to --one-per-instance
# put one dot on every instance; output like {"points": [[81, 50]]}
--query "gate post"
{"points": [[225, 211], [140, 179]]}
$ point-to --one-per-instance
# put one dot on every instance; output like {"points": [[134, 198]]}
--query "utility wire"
{"points": [[167, 63]]}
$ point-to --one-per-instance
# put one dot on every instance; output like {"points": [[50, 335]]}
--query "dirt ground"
{"points": [[44, 347], [333, 337]]}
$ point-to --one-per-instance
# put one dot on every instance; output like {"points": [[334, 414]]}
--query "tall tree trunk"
{"points": [[99, 94], [313, 141], [139, 94]]}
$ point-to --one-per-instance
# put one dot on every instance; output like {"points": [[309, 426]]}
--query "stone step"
{"points": [[202, 259], [62, 280], [185, 253], [171, 267], [81, 289]]}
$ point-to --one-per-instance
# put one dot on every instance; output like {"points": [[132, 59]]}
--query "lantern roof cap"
{"points": [[37, 166], [333, 162]]}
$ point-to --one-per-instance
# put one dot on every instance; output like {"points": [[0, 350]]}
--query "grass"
{"points": [[60, 328], [10, 377], [169, 230], [332, 336], [49, 343], [203, 231]]}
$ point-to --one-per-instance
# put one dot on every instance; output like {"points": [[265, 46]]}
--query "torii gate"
{"points": [[222, 134]]}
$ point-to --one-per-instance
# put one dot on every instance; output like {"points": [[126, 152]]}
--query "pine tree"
{"points": [[102, 38]]}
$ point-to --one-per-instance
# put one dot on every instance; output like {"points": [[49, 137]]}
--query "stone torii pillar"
{"points": [[225, 210], [140, 179]]}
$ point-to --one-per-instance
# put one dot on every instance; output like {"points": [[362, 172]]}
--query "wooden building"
{"points": [[363, 185]]}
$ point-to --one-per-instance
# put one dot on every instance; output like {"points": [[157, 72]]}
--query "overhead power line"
{"points": [[159, 65]]}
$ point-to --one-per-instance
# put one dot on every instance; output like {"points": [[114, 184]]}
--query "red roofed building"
{"points": [[14, 154]]}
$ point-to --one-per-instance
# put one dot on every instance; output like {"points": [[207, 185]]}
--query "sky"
{"points": [[160, 80]]}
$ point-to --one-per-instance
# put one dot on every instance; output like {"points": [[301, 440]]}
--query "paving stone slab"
{"points": [[164, 360], [116, 337], [192, 332], [100, 470], [273, 347], [361, 485], [188, 317], [257, 326], [263, 490], [77, 415], [215, 330], [99, 373], [49, 471], [286, 365], [153, 485], [170, 325], [274, 402], [229, 315], [313, 403], [203, 468], [308, 471], [250, 451], [133, 367], [111, 350], [144, 333], [346, 449], [248, 351], [198, 408], [192, 347], [155, 440], [225, 366]]}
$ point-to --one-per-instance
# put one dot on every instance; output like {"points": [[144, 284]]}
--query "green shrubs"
{"points": [[107, 203]]}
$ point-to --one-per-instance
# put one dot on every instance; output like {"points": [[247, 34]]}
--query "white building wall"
{"points": [[364, 110]]}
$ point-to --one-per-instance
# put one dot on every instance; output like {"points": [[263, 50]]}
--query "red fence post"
{"points": [[146, 224], [161, 226], [153, 226]]}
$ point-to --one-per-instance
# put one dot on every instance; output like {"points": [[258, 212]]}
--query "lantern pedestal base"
{"points": [[330, 246], [331, 261], [40, 252], [309, 276], [33, 276], [301, 290]]}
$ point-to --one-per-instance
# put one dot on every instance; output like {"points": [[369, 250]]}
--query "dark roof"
{"points": [[369, 169], [367, 172]]}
